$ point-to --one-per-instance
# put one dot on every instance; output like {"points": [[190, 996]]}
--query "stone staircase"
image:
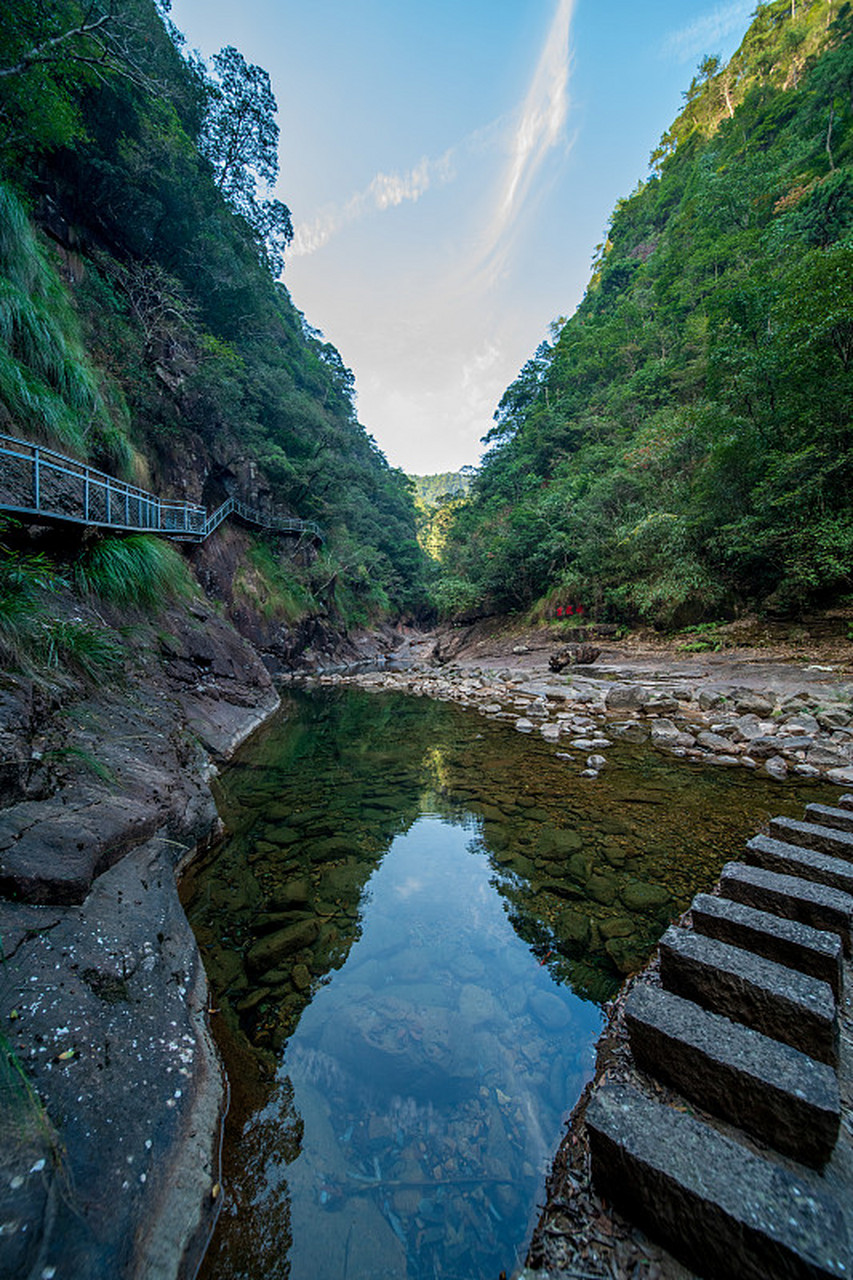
{"points": [[732, 1144]]}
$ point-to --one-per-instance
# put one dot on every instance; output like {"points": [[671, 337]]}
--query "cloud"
{"points": [[539, 127], [385, 191], [703, 35]]}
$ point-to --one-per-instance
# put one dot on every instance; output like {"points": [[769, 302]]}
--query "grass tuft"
{"points": [[137, 570]]}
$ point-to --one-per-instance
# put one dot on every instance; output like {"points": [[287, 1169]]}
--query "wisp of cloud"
{"points": [[540, 127]]}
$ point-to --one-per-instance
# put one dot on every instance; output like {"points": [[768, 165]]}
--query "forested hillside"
{"points": [[437, 497], [141, 323], [682, 450]]}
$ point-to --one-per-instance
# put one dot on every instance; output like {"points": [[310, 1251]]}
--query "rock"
{"points": [[748, 701], [113, 1002], [661, 704], [550, 732], [549, 1010], [631, 731], [797, 946], [764, 747], [572, 931], [301, 977], [572, 655], [589, 773], [596, 762], [791, 859], [710, 698], [802, 723], [713, 741], [791, 897], [777, 768], [812, 835], [626, 955], [837, 717], [603, 888], [269, 951], [663, 733], [625, 697], [823, 757], [841, 777], [748, 727], [476, 1005], [523, 725], [638, 895]]}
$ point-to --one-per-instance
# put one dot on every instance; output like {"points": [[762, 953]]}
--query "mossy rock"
{"points": [[602, 888], [617, 927], [639, 895], [626, 955], [572, 932]]}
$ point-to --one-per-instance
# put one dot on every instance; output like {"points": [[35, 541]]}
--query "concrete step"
{"points": [[814, 835], [792, 860], [826, 815], [790, 897], [797, 946], [781, 1003], [724, 1211], [779, 1095]]}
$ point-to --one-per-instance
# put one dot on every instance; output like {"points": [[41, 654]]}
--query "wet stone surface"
{"points": [[410, 933]]}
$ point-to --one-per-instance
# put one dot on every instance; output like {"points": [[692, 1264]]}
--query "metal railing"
{"points": [[39, 482]]}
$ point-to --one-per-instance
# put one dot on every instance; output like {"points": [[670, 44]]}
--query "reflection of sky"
{"points": [[437, 969]]}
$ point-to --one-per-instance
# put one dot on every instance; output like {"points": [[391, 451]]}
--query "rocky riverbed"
{"points": [[769, 718]]}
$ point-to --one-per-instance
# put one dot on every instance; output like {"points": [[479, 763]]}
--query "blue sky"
{"points": [[450, 166]]}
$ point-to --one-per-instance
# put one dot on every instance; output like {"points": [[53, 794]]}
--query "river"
{"points": [[410, 932]]}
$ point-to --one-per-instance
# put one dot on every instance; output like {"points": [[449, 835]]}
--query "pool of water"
{"points": [[410, 931]]}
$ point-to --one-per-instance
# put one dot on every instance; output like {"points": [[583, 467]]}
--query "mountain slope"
{"points": [[684, 448]]}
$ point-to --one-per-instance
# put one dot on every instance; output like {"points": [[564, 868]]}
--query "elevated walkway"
{"points": [[40, 485]]}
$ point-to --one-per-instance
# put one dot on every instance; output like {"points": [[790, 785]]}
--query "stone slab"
{"points": [[793, 860], [779, 1095], [790, 897], [111, 1030], [721, 1209], [779, 1002], [795, 945], [813, 835], [826, 815]]}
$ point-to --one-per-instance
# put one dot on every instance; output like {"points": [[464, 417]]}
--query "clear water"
{"points": [[410, 932]]}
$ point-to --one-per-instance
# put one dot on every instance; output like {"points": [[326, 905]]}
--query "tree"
{"points": [[240, 139]]}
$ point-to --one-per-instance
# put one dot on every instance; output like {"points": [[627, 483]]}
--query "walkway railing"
{"points": [[38, 482]]}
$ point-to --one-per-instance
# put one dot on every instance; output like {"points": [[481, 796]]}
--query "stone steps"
{"points": [[793, 860], [722, 1210], [795, 945], [744, 1026], [790, 897], [789, 1006], [777, 1094]]}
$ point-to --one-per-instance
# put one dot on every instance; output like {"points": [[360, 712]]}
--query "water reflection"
{"points": [[409, 934]]}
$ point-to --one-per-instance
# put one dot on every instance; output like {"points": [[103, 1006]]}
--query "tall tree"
{"points": [[240, 139]]}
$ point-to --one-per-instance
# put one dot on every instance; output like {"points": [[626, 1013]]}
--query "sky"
{"points": [[450, 166]]}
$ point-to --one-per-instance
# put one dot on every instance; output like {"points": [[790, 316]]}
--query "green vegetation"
{"points": [[150, 332], [437, 497], [683, 449], [137, 570]]}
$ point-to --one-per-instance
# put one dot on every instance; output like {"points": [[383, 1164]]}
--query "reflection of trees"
{"points": [[258, 1239]]}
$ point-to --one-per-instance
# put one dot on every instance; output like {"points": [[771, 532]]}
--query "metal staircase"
{"points": [[38, 484]]}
